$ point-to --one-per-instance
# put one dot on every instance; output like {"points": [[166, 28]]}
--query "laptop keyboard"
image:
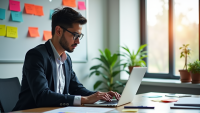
{"points": [[111, 102]]}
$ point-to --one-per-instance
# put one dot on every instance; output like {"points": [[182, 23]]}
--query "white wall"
{"points": [[110, 23], [129, 26], [97, 39]]}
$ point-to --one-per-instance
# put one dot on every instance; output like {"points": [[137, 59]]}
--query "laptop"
{"points": [[129, 91]]}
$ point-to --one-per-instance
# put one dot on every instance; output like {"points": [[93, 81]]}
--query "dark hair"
{"points": [[66, 17]]}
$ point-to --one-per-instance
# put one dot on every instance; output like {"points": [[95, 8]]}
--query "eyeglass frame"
{"points": [[74, 34]]}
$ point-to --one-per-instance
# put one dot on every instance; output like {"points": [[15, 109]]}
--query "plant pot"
{"points": [[131, 68], [195, 78], [185, 76]]}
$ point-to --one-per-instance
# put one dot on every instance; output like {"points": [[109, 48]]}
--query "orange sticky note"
{"points": [[47, 35], [33, 32], [81, 5], [70, 3], [29, 8], [39, 10]]}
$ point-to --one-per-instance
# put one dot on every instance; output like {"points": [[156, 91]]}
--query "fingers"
{"points": [[103, 96], [117, 95]]}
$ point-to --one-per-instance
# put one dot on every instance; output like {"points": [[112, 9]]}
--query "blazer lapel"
{"points": [[67, 77], [53, 64]]}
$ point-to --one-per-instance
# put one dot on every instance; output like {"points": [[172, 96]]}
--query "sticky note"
{"points": [[51, 13], [29, 8], [70, 3], [153, 96], [157, 100], [129, 110], [81, 5], [169, 100], [33, 32], [2, 13], [2, 30], [39, 10], [14, 5], [47, 35], [12, 32], [16, 16]]}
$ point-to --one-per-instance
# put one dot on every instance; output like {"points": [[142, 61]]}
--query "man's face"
{"points": [[67, 40]]}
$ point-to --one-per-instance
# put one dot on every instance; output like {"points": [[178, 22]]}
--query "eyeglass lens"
{"points": [[76, 36]]}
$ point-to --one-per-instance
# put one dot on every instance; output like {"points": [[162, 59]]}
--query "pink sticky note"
{"points": [[14, 5], [81, 5]]}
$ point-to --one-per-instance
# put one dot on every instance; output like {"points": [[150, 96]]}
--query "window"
{"points": [[165, 26]]}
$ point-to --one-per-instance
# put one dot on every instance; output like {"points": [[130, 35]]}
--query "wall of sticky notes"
{"points": [[25, 24]]}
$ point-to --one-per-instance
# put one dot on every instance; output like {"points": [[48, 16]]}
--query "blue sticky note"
{"points": [[16, 16], [2, 13], [51, 13], [153, 96]]}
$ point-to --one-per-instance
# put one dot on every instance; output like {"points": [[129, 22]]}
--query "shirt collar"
{"points": [[60, 59]]}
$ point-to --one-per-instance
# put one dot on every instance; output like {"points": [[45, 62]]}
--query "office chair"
{"points": [[9, 91]]}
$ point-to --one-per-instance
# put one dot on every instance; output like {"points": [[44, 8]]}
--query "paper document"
{"points": [[188, 101], [80, 110]]}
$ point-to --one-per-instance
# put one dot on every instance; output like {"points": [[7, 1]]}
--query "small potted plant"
{"points": [[194, 69], [135, 59], [184, 74]]}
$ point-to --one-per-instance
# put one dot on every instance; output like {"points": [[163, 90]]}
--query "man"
{"points": [[48, 78]]}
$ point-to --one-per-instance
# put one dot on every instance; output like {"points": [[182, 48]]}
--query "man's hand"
{"points": [[114, 94], [107, 96]]}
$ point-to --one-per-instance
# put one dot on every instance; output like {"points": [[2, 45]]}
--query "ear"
{"points": [[58, 31]]}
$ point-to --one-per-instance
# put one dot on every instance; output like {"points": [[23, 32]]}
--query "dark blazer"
{"points": [[39, 81]]}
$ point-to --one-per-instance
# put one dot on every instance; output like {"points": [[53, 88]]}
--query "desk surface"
{"points": [[138, 101]]}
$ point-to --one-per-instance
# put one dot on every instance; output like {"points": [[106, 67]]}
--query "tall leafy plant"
{"points": [[135, 58], [108, 69]]}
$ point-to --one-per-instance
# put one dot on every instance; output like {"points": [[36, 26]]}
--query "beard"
{"points": [[65, 45]]}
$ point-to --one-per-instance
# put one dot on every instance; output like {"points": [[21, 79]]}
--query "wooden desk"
{"points": [[138, 101]]}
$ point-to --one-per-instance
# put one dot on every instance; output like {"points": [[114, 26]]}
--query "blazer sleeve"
{"points": [[34, 68], [75, 87]]}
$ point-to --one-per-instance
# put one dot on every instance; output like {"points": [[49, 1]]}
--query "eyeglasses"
{"points": [[76, 35]]}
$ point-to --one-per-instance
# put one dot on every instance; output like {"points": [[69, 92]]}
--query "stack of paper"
{"points": [[187, 103], [80, 110]]}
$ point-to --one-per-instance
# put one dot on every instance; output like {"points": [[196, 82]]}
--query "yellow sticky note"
{"points": [[2, 30], [130, 110], [12, 32], [156, 100]]}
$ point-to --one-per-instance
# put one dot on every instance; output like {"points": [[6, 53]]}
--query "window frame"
{"points": [[143, 40]]}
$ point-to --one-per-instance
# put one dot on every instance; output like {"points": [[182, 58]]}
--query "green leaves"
{"points": [[97, 84], [194, 67], [109, 64], [135, 59], [185, 52]]}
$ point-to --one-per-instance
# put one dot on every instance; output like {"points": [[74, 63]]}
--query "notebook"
{"points": [[129, 91], [188, 101]]}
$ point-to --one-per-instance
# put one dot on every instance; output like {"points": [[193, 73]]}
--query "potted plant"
{"points": [[108, 69], [184, 74], [135, 59], [194, 69]]}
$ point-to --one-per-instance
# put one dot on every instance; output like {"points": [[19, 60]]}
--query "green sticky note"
{"points": [[51, 13], [2, 13], [2, 30], [16, 16]]}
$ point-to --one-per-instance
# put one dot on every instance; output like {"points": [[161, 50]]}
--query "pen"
{"points": [[140, 107]]}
